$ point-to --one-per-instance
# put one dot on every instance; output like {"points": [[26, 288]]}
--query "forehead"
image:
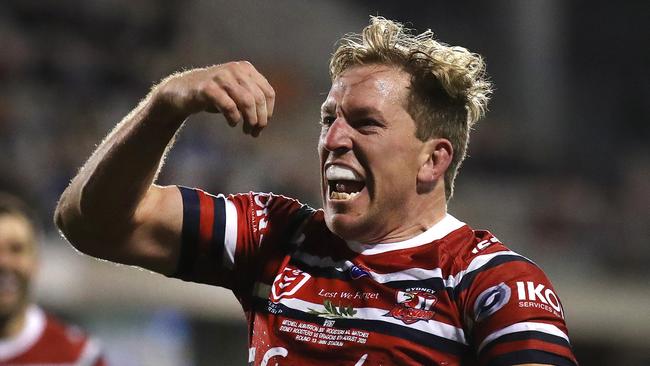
{"points": [[373, 86], [15, 230]]}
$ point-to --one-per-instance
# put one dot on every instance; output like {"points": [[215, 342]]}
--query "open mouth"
{"points": [[343, 183]]}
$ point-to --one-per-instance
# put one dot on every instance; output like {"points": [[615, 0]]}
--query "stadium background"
{"points": [[559, 169]]}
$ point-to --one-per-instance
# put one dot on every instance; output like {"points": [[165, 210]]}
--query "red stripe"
{"points": [[206, 220]]}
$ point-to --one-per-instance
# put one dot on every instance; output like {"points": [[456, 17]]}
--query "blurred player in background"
{"points": [[29, 336], [382, 274]]}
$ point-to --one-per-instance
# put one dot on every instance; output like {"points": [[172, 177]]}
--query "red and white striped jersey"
{"points": [[449, 296], [46, 341]]}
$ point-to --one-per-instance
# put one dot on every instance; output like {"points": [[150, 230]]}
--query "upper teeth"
{"points": [[338, 172]]}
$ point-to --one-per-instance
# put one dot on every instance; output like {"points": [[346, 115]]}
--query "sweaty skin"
{"points": [[367, 129]]}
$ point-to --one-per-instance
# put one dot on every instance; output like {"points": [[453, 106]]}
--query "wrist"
{"points": [[157, 108]]}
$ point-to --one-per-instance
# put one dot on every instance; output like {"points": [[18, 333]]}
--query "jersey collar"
{"points": [[31, 332], [438, 231]]}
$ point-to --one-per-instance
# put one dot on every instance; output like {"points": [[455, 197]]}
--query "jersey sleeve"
{"points": [[512, 311], [225, 237]]}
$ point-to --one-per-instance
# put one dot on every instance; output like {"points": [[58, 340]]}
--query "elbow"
{"points": [[74, 227], [67, 214], [66, 219], [63, 214]]}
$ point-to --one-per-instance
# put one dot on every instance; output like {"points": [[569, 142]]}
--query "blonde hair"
{"points": [[449, 88]]}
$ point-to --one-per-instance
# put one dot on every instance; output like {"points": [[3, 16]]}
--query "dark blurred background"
{"points": [[559, 170]]}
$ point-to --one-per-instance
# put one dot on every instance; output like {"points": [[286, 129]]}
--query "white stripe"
{"points": [[251, 354], [438, 231], [476, 263], [90, 353], [230, 237], [31, 332], [410, 274], [431, 326], [522, 327]]}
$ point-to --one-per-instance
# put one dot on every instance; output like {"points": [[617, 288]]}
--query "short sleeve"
{"points": [[513, 313], [223, 237]]}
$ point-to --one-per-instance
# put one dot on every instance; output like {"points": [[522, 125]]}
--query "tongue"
{"points": [[348, 186]]}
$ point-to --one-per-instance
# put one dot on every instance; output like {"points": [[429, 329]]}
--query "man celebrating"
{"points": [[382, 275], [29, 336]]}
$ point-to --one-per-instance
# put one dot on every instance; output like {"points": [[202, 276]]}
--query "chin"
{"points": [[346, 227]]}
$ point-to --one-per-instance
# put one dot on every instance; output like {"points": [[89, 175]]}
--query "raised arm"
{"points": [[112, 209]]}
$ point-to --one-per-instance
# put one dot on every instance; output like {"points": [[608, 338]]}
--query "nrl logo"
{"points": [[288, 282], [413, 305]]}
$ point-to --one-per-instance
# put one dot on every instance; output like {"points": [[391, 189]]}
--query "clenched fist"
{"points": [[235, 89]]}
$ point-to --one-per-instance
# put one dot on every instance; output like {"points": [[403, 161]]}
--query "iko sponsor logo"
{"points": [[533, 295], [491, 300], [288, 282], [414, 305]]}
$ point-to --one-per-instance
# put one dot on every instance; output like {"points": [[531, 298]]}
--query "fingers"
{"points": [[219, 101], [242, 94]]}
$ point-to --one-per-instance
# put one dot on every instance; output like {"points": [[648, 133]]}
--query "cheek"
{"points": [[27, 267], [321, 149]]}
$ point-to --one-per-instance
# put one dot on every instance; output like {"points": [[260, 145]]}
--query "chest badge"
{"points": [[414, 305], [288, 282]]}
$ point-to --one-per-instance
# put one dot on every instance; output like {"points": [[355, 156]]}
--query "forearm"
{"points": [[116, 178], [112, 209]]}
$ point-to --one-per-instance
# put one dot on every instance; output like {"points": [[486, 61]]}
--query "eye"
{"points": [[368, 125], [327, 120]]}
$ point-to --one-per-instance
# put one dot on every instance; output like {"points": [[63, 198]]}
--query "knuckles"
{"points": [[232, 88]]}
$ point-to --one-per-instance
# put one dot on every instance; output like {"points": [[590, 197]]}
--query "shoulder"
{"points": [[483, 265], [56, 330], [472, 251]]}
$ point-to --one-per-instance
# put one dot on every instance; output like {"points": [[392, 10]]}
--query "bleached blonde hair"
{"points": [[449, 88]]}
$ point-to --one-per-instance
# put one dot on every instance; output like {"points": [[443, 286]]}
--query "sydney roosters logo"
{"points": [[287, 282], [413, 305]]}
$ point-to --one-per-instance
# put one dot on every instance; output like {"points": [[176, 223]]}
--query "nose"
{"points": [[337, 138]]}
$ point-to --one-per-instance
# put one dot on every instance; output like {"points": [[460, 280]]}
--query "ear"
{"points": [[436, 157]]}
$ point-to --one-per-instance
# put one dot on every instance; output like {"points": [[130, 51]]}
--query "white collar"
{"points": [[28, 336], [438, 231]]}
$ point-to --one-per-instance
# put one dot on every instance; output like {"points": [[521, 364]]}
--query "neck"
{"points": [[428, 211], [12, 324], [432, 206]]}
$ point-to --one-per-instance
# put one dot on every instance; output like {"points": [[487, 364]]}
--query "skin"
{"points": [[18, 266], [367, 128]]}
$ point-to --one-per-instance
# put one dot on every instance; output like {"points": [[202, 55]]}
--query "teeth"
{"points": [[342, 195], [338, 172]]}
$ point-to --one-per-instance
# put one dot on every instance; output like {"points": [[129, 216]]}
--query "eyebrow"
{"points": [[366, 111], [328, 107]]}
